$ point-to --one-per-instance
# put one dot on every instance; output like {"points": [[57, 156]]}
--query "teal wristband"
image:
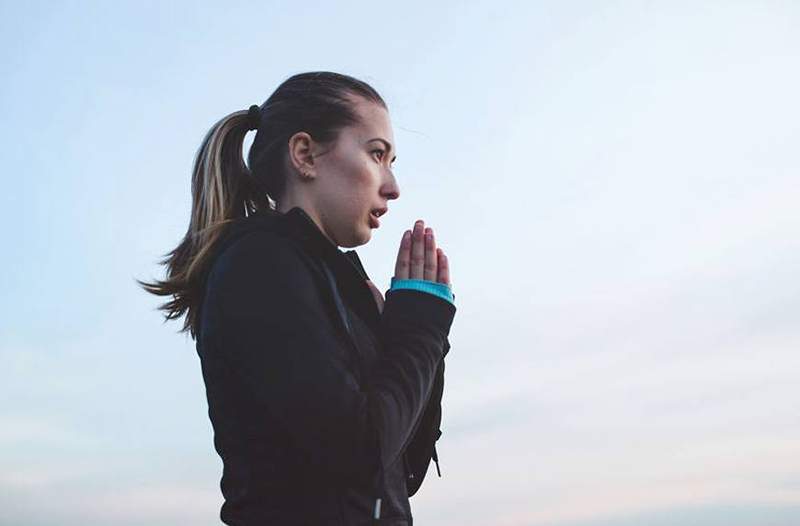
{"points": [[437, 289]]}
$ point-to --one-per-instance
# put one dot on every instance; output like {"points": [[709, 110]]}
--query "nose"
{"points": [[391, 190]]}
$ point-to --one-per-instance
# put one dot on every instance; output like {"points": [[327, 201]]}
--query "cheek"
{"points": [[355, 186], [364, 173], [362, 183], [354, 175]]}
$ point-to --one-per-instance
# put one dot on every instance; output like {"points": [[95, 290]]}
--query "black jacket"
{"points": [[317, 411]]}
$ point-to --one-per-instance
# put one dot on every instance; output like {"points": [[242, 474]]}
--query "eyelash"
{"points": [[380, 151]]}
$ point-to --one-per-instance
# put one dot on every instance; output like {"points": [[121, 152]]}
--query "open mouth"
{"points": [[374, 215], [373, 220]]}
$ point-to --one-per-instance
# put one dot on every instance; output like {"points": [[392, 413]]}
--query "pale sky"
{"points": [[615, 184]]}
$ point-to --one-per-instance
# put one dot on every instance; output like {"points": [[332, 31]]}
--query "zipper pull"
{"points": [[436, 460], [409, 473]]}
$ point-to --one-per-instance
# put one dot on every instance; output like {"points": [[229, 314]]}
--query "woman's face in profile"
{"points": [[354, 177]]}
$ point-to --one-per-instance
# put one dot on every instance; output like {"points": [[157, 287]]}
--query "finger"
{"points": [[431, 258], [444, 268], [417, 251], [401, 267]]}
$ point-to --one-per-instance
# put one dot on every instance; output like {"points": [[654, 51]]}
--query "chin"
{"points": [[359, 238]]}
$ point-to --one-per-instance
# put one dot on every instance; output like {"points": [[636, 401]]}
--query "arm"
{"points": [[420, 449], [278, 338]]}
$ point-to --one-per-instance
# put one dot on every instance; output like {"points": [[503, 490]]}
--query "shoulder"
{"points": [[254, 243], [261, 264], [255, 249], [252, 235]]}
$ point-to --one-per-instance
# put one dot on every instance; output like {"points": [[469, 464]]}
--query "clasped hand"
{"points": [[417, 258]]}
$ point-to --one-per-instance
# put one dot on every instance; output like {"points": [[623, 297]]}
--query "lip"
{"points": [[373, 221]]}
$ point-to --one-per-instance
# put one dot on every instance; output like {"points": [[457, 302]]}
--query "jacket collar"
{"points": [[301, 227]]}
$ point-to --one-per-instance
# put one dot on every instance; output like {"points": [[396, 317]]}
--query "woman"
{"points": [[325, 399]]}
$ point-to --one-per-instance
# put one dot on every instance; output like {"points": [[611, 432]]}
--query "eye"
{"points": [[391, 164]]}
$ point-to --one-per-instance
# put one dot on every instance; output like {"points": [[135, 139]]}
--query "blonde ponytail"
{"points": [[223, 190]]}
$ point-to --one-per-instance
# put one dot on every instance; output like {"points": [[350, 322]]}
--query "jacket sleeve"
{"points": [[279, 339], [438, 289], [421, 448]]}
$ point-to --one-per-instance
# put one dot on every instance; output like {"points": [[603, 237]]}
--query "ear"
{"points": [[301, 157]]}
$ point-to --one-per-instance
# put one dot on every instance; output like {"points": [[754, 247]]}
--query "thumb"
{"points": [[377, 294]]}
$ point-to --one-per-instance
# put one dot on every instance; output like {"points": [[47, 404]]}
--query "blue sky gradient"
{"points": [[615, 184]]}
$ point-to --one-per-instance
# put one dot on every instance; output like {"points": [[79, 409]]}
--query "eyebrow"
{"points": [[387, 143]]}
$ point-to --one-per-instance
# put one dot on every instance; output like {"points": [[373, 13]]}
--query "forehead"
{"points": [[373, 122]]}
